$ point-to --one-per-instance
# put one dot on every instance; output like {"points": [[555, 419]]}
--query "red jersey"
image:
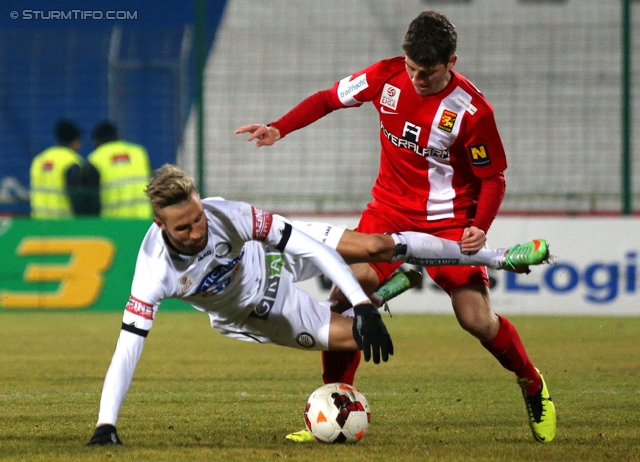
{"points": [[436, 149]]}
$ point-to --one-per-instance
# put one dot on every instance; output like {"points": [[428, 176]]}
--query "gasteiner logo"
{"points": [[261, 223], [139, 308]]}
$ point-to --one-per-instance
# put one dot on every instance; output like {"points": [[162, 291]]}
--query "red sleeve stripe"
{"points": [[139, 308]]}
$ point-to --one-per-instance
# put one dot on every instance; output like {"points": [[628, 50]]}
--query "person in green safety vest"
{"points": [[124, 170], [63, 184]]}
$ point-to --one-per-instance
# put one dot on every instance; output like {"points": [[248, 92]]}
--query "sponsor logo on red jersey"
{"points": [[413, 145], [479, 155], [348, 89], [139, 308], [120, 158], [390, 96], [261, 223], [447, 121]]}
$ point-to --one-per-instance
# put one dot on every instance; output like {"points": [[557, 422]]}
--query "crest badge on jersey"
{"points": [[185, 283], [447, 121], [305, 339], [222, 249], [390, 96], [479, 155]]}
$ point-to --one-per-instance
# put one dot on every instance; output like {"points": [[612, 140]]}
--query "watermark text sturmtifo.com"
{"points": [[74, 14]]}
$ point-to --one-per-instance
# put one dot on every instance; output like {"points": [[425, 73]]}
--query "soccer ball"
{"points": [[337, 413]]}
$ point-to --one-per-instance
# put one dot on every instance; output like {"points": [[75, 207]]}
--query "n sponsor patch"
{"points": [[479, 155], [447, 121], [139, 308], [261, 223]]}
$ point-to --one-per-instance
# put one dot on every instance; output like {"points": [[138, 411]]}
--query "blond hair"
{"points": [[169, 185]]}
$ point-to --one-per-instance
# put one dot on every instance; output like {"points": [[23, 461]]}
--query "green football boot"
{"points": [[542, 413], [303, 436], [520, 256], [399, 282]]}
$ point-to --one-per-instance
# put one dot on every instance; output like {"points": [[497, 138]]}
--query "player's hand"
{"points": [[265, 135], [473, 239], [370, 333], [104, 435]]}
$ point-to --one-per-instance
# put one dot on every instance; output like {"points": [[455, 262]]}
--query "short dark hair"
{"points": [[104, 132], [430, 40], [65, 132]]}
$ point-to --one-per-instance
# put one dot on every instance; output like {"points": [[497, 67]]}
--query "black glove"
{"points": [[370, 333], [104, 435]]}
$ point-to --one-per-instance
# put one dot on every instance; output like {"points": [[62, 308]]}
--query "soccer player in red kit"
{"points": [[441, 172]]}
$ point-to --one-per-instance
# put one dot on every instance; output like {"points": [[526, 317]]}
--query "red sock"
{"points": [[509, 351], [340, 366]]}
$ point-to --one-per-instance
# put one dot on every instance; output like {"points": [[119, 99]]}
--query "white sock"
{"points": [[427, 250]]}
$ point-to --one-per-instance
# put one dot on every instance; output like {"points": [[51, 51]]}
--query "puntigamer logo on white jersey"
{"points": [[390, 96]]}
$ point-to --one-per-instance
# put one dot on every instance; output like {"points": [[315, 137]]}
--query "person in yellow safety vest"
{"points": [[124, 170], [63, 185]]}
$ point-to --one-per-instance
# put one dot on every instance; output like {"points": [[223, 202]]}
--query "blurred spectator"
{"points": [[63, 184], [124, 170]]}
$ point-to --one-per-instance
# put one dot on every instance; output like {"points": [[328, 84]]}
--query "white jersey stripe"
{"points": [[441, 193]]}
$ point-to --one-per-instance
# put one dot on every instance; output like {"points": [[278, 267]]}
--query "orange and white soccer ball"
{"points": [[337, 413]]}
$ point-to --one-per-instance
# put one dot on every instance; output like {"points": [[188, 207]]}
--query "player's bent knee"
{"points": [[379, 247]]}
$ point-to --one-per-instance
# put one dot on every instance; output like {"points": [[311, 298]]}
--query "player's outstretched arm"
{"points": [[264, 134], [117, 383]]}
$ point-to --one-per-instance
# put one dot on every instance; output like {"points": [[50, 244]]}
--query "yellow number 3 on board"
{"points": [[81, 279]]}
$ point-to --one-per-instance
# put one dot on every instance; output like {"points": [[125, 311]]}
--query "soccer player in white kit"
{"points": [[238, 264]]}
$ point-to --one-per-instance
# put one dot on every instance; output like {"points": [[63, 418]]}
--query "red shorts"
{"points": [[381, 219]]}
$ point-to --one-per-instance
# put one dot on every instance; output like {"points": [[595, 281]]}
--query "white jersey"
{"points": [[242, 278], [228, 279]]}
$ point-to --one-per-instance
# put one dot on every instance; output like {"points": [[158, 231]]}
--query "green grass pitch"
{"points": [[199, 396]]}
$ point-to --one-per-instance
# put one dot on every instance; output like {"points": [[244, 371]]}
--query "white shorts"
{"points": [[293, 319]]}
